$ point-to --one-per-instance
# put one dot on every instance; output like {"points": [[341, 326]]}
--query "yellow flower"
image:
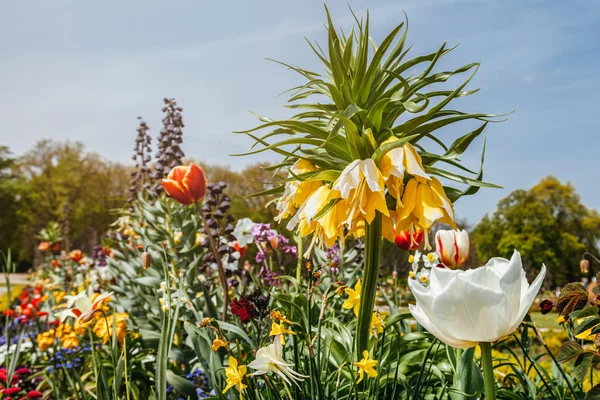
{"points": [[177, 238], [353, 300], [235, 375], [296, 192], [431, 257], [199, 238], [424, 202], [395, 163], [362, 186], [411, 259], [560, 320], [411, 274], [105, 331], [423, 278], [81, 327], [280, 329], [45, 340], [377, 323], [366, 365], [276, 315], [59, 295], [70, 340], [218, 343]]}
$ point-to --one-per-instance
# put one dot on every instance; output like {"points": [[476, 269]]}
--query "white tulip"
{"points": [[270, 359], [464, 308], [452, 247]]}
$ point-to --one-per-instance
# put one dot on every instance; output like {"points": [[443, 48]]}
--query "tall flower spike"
{"points": [[169, 154], [140, 177]]}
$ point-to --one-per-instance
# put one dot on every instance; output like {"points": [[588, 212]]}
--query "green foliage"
{"points": [[548, 224]]}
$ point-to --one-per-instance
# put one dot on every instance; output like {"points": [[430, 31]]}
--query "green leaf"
{"points": [[470, 377], [182, 385], [569, 350]]}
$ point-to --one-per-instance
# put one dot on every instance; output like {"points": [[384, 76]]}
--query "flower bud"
{"points": [[584, 265], [452, 247], [405, 241], [146, 260], [546, 306]]}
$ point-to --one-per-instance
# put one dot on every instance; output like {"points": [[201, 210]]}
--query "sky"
{"points": [[84, 71]]}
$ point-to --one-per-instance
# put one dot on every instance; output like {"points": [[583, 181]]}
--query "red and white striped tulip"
{"points": [[452, 247]]}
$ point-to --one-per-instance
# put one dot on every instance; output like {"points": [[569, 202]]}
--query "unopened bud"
{"points": [[395, 274], [146, 260]]}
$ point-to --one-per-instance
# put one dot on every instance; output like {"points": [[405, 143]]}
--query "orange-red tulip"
{"points": [[76, 255], [185, 184], [44, 246], [405, 241]]}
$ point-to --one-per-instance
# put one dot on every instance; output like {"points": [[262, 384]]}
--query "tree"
{"points": [[547, 224], [12, 196], [59, 174]]}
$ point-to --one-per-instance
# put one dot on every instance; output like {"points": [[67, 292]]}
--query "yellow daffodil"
{"points": [[561, 320], [377, 323], [218, 343], [353, 300], [296, 192], [411, 259], [411, 274], [235, 375], [366, 366], [276, 315], [280, 330], [424, 202]]}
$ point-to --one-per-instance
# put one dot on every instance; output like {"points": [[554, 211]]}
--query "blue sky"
{"points": [[84, 71]]}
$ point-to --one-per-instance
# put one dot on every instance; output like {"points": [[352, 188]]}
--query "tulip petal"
{"points": [[177, 173], [431, 328], [195, 182], [527, 300], [176, 191]]}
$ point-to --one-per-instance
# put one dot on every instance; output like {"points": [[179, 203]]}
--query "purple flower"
{"points": [[271, 278], [262, 232], [261, 256], [333, 254]]}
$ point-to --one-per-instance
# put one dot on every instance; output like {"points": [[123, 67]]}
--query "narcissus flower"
{"points": [[452, 247], [353, 300], [218, 343], [270, 359], [366, 366], [235, 375], [187, 185], [82, 307], [377, 323], [280, 330], [464, 308]]}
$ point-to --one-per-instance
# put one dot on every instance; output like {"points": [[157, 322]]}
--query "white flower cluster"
{"points": [[422, 264]]}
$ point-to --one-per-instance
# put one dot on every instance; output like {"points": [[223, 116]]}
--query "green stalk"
{"points": [[369, 283], [489, 383], [299, 242]]}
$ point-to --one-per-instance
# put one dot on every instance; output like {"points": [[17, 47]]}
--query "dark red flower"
{"points": [[34, 394], [22, 370], [243, 309], [546, 306], [11, 390]]}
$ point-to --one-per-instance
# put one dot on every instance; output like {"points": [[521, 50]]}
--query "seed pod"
{"points": [[146, 260]]}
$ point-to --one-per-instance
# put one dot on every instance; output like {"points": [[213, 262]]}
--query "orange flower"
{"points": [[185, 184], [44, 246], [55, 263], [56, 247], [76, 255]]}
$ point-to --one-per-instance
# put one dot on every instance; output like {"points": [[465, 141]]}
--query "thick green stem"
{"points": [[372, 240], [488, 371]]}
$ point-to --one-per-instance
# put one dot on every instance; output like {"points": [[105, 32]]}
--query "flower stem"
{"points": [[299, 242], [488, 371], [369, 283], [213, 247]]}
